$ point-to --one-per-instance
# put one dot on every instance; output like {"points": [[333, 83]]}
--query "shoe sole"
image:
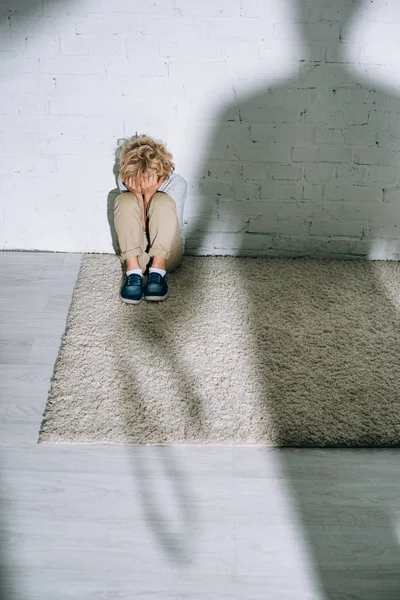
{"points": [[156, 298], [126, 301]]}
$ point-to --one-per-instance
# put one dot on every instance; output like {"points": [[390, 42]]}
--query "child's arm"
{"points": [[133, 185], [150, 183]]}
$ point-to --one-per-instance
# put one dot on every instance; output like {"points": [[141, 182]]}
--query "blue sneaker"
{"points": [[156, 288], [132, 290]]}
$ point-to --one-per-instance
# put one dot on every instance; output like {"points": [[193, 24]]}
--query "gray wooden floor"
{"points": [[213, 523]]}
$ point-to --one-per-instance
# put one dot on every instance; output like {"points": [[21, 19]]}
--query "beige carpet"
{"points": [[244, 351]]}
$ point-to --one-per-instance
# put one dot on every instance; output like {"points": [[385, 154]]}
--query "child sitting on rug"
{"points": [[148, 217]]}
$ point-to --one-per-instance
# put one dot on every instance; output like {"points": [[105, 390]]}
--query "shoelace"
{"points": [[154, 278], [134, 279]]}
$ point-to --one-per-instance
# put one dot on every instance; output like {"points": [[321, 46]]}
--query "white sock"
{"points": [[138, 271], [155, 270]]}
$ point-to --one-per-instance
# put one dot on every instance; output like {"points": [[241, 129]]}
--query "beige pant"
{"points": [[162, 236]]}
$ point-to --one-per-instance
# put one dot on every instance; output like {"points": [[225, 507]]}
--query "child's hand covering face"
{"points": [[133, 184], [150, 182]]}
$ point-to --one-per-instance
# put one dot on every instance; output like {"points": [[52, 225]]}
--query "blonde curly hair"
{"points": [[141, 153]]}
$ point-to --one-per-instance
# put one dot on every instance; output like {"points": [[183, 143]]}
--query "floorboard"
{"points": [[118, 522]]}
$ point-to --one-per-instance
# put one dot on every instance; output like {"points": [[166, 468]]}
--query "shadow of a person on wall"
{"points": [[310, 168]]}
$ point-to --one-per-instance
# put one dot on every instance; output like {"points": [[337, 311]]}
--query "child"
{"points": [[148, 217]]}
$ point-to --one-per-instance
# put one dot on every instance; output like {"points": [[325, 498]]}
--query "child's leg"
{"points": [[165, 239], [129, 227]]}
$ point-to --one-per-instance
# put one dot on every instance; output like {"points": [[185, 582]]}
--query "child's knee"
{"points": [[160, 201], [126, 201]]}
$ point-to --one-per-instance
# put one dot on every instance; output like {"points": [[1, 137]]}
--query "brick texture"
{"points": [[283, 117]]}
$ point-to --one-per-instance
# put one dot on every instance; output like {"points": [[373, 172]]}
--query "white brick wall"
{"points": [[284, 116]]}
